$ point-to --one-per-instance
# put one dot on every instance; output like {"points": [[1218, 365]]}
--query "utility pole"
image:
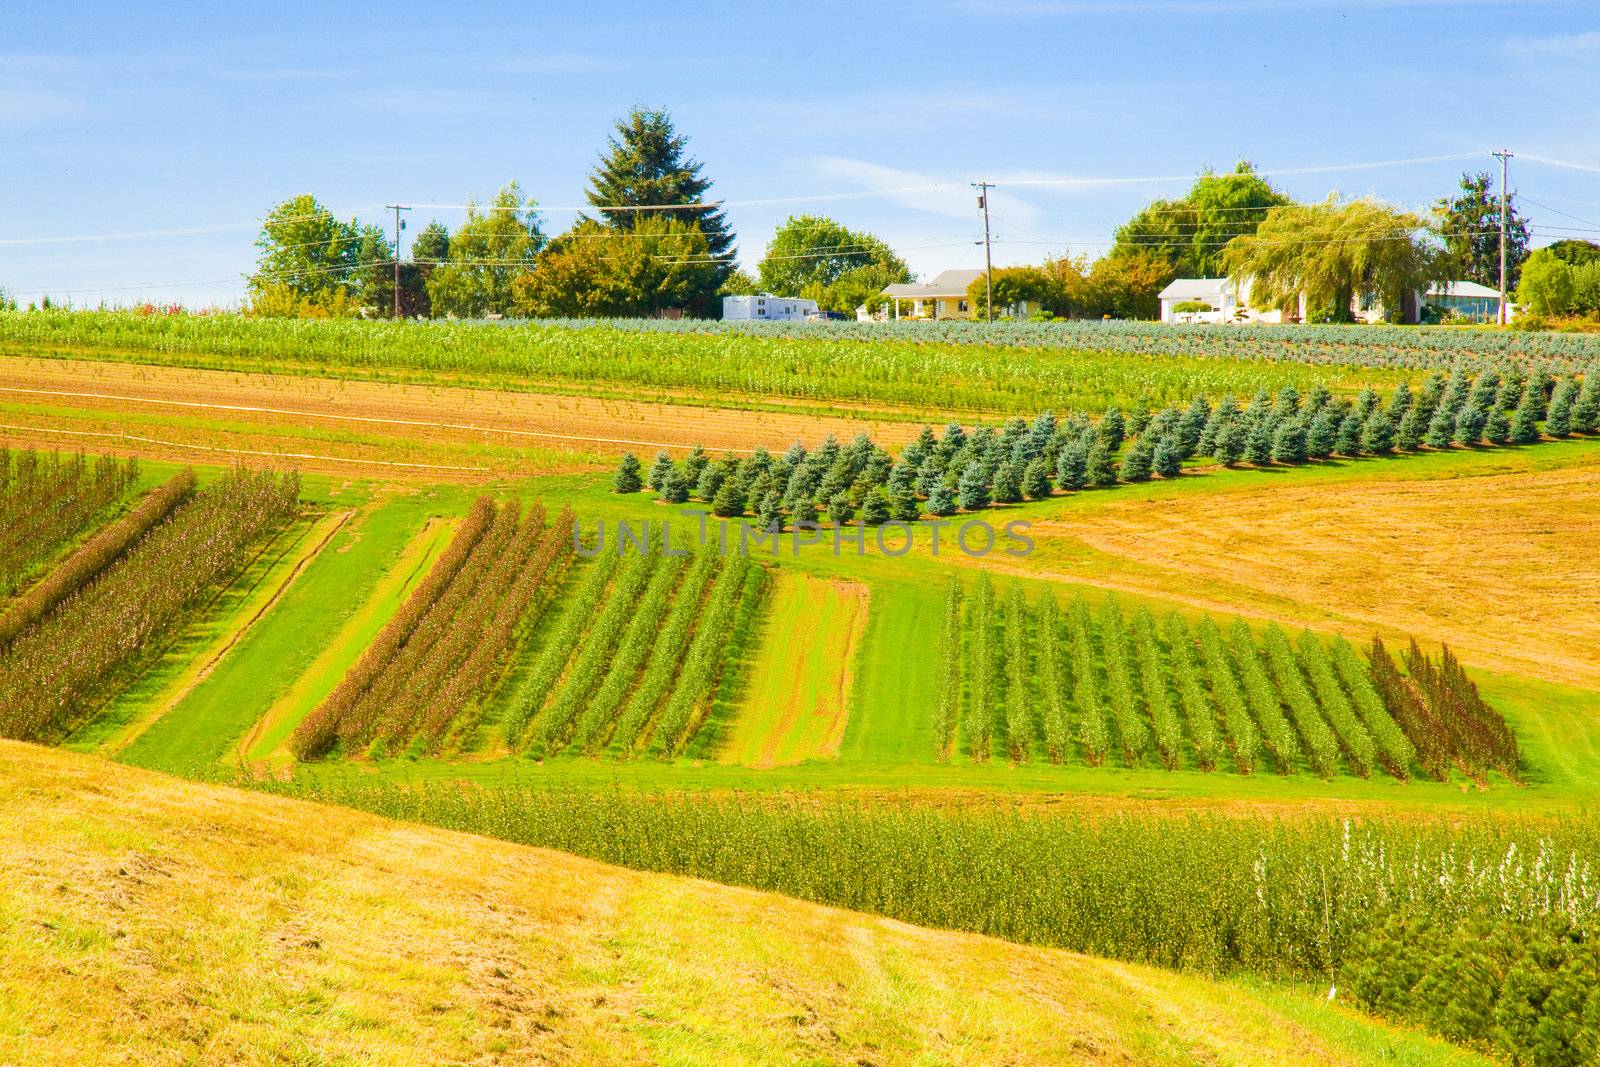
{"points": [[398, 226], [1504, 156], [988, 263]]}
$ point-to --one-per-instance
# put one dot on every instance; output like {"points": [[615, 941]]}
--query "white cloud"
{"points": [[1569, 44], [38, 107], [952, 198]]}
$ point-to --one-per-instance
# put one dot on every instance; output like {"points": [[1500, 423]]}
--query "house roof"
{"points": [[1210, 290], [1469, 289], [946, 283]]}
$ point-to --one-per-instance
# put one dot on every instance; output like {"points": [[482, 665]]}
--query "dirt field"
{"points": [[335, 425], [1505, 568]]}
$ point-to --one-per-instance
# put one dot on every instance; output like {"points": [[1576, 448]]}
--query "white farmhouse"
{"points": [[764, 307], [1223, 300]]}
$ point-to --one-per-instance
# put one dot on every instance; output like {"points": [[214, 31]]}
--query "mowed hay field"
{"points": [[796, 703], [146, 918], [1504, 567]]}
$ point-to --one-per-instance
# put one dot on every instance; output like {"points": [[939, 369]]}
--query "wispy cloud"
{"points": [[1567, 44], [38, 107], [952, 198]]}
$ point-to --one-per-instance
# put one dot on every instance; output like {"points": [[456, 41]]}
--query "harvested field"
{"points": [[327, 423], [1503, 568], [795, 707]]}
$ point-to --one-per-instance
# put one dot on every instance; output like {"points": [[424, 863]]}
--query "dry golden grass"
{"points": [[1502, 567], [145, 919]]}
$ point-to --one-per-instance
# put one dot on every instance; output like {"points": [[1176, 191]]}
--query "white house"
{"points": [[1468, 299], [1224, 301], [764, 307]]}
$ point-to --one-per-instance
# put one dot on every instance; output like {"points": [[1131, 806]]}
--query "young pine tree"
{"points": [[728, 503], [941, 501], [1136, 464], [907, 508], [1072, 468], [1322, 436], [1191, 426], [1289, 443], [1112, 429], [1497, 427], [1258, 442], [1377, 433], [769, 512], [1413, 425], [1525, 422], [1470, 424], [1347, 442], [1036, 479], [1586, 411], [840, 510], [973, 488], [1230, 444], [877, 507], [659, 472], [628, 479], [1558, 422], [675, 487], [1008, 483], [1167, 460], [1100, 467]]}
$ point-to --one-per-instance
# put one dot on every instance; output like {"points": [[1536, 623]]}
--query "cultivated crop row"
{"points": [[53, 673], [46, 500], [95, 555], [424, 678], [1093, 684], [976, 366], [633, 659]]}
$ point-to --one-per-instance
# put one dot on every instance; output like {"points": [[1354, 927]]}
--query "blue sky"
{"points": [[120, 119]]}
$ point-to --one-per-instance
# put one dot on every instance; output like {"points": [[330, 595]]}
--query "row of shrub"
{"points": [[970, 470]]}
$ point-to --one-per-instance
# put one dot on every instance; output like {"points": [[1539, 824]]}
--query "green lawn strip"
{"points": [[1371, 1039], [294, 553], [216, 713], [160, 671], [345, 647]]}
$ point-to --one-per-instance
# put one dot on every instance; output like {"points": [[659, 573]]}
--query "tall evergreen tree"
{"points": [[1347, 442], [1167, 460], [942, 501], [1113, 428], [1322, 436], [1258, 442], [1289, 443], [1413, 426], [1525, 422], [1230, 443], [645, 165], [1008, 483], [769, 513], [876, 508], [1497, 427]]}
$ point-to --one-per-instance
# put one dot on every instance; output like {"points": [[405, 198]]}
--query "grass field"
{"points": [[795, 707], [225, 925]]}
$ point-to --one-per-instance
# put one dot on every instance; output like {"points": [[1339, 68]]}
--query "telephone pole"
{"points": [[398, 226], [988, 263], [1504, 156]]}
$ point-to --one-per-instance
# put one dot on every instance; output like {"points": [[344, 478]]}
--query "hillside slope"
{"points": [[149, 919]]}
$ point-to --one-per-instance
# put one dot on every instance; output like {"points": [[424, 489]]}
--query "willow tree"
{"points": [[1336, 252]]}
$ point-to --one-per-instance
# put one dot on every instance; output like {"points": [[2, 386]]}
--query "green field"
{"points": [[808, 683]]}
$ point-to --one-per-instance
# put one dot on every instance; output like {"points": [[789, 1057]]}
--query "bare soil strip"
{"points": [[432, 413]]}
